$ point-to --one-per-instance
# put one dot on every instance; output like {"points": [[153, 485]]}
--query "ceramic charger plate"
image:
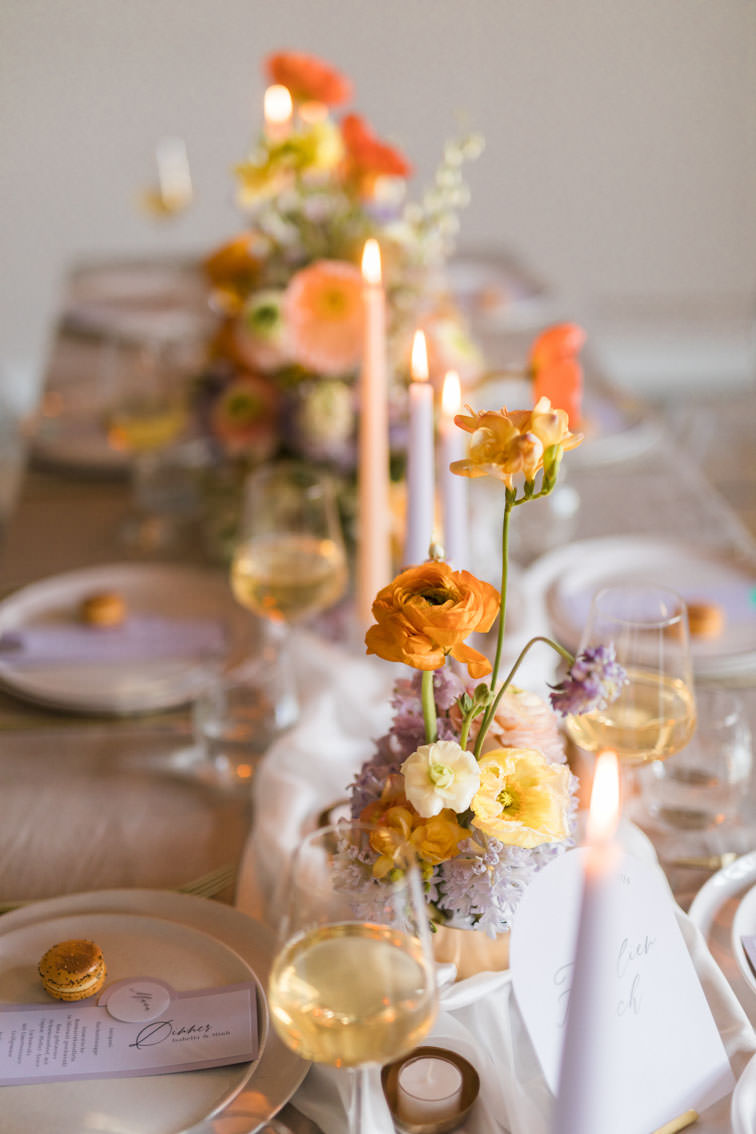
{"points": [[568, 578], [180, 596], [188, 942]]}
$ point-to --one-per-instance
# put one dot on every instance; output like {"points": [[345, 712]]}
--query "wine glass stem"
{"points": [[278, 655], [358, 1098]]}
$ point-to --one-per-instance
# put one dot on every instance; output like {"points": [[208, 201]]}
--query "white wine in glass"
{"points": [[654, 714], [288, 576], [353, 981], [289, 562]]}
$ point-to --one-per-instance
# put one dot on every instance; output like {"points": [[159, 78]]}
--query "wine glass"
{"points": [[147, 393], [353, 981], [289, 562], [655, 712]]}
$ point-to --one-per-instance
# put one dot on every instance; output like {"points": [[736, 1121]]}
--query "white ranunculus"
{"points": [[440, 775]]}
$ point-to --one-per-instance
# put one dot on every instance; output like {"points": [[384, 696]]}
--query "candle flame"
{"points": [[419, 366], [277, 105], [371, 262], [605, 798], [451, 394]]}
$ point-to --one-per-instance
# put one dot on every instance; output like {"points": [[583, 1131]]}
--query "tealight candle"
{"points": [[453, 488], [420, 480], [429, 1089]]}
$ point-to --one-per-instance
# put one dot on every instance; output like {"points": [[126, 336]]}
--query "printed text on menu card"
{"points": [[44, 1043]]}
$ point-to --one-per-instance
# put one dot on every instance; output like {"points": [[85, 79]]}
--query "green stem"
{"points": [[465, 731], [429, 707], [491, 710], [503, 589]]}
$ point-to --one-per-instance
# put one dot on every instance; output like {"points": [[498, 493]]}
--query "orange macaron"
{"points": [[73, 970]]}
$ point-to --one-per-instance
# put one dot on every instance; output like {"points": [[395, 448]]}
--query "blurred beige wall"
{"points": [[621, 134]]}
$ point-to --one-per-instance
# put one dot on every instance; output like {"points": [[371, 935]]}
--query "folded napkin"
{"points": [[345, 708], [139, 637]]}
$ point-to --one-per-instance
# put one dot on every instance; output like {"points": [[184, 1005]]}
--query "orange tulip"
{"points": [[307, 78], [366, 156], [557, 373], [427, 612]]}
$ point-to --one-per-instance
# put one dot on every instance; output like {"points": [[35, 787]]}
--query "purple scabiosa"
{"points": [[593, 681]]}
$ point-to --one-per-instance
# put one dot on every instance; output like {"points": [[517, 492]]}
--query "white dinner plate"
{"points": [[722, 886], [569, 577], [180, 596], [191, 941], [744, 925], [132, 945]]}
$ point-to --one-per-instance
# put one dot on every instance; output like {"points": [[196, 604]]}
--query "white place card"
{"points": [[664, 1054], [42, 1043]]}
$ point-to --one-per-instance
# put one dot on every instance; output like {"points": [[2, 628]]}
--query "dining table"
{"points": [[103, 801]]}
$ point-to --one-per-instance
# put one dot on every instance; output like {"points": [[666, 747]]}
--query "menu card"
{"points": [[213, 1027], [663, 1052]]}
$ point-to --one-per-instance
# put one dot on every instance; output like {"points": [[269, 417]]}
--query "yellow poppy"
{"points": [[523, 799]]}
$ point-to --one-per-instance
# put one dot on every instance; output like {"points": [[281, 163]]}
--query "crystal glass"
{"points": [[353, 981], [146, 418], [704, 784], [289, 562], [655, 714]]}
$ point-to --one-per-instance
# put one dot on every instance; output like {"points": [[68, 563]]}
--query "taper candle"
{"points": [[583, 1102], [278, 109], [420, 475], [373, 540], [453, 488]]}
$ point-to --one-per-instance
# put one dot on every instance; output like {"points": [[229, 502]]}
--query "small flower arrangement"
{"points": [[281, 374], [473, 773]]}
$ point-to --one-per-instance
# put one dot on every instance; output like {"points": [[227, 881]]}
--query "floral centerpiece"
{"points": [[473, 772], [281, 375]]}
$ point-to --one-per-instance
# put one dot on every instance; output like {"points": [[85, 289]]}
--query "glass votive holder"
{"points": [[704, 784], [430, 1091]]}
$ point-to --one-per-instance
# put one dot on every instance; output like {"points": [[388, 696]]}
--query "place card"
{"points": [[664, 1054], [212, 1027]]}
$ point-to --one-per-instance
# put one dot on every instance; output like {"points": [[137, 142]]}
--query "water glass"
{"points": [[240, 712], [704, 784]]}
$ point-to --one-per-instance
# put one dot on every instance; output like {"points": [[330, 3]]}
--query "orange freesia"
{"points": [[504, 444], [556, 371], [366, 153], [324, 314], [427, 612], [307, 78], [437, 839]]}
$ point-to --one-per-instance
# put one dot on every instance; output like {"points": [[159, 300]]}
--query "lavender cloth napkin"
{"points": [[140, 637]]}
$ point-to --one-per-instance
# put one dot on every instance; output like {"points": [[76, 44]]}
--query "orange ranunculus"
{"points": [[324, 313], [366, 155], [233, 270], [427, 612], [244, 417], [437, 839], [307, 78], [504, 444], [556, 371]]}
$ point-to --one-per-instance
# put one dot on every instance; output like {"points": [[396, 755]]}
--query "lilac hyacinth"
{"points": [[592, 682]]}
